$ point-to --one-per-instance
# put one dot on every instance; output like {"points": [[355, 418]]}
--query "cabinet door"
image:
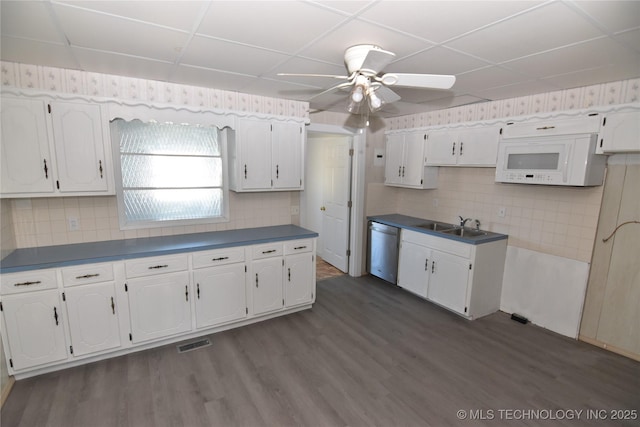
{"points": [[254, 139], [449, 279], [220, 295], [287, 164], [394, 159], [34, 328], [159, 306], [414, 267], [267, 285], [93, 318], [441, 149], [413, 164], [80, 151], [26, 165], [479, 146], [299, 280], [620, 133]]}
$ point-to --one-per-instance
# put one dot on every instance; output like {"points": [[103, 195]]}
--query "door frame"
{"points": [[357, 190]]}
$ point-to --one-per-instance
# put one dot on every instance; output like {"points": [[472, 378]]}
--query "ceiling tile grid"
{"points": [[496, 49]]}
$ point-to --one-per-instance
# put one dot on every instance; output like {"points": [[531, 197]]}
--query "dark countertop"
{"points": [[411, 223], [114, 250]]}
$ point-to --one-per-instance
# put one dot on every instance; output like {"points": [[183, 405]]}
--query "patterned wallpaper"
{"points": [[52, 79]]}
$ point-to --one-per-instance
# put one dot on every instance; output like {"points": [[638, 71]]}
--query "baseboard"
{"points": [[611, 348], [6, 389]]}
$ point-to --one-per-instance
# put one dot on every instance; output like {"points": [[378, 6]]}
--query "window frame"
{"points": [[125, 224]]}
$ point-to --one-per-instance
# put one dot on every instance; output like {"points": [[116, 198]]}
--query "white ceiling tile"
{"points": [[613, 15], [438, 21], [331, 47], [28, 19], [513, 91], [437, 60], [607, 73], [547, 27], [33, 52], [487, 78], [593, 54], [224, 56], [280, 89], [285, 26], [454, 101], [419, 96], [349, 7], [123, 65], [210, 78], [307, 66], [175, 14], [630, 39], [103, 32]]}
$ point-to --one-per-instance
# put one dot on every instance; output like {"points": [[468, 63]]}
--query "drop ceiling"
{"points": [[496, 50]]}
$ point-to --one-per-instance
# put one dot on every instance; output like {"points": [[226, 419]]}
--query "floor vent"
{"points": [[194, 345]]}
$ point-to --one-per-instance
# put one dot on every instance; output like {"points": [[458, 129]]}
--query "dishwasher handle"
{"points": [[382, 228]]}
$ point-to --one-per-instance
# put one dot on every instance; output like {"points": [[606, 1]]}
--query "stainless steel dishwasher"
{"points": [[382, 259]]}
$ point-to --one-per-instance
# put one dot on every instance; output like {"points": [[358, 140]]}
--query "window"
{"points": [[170, 174]]}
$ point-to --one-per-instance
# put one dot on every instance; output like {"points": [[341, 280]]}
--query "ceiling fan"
{"points": [[365, 63]]}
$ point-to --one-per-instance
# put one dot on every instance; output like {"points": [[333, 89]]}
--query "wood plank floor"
{"points": [[367, 354]]}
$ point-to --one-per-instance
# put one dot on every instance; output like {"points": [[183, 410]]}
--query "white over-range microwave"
{"points": [[564, 159]]}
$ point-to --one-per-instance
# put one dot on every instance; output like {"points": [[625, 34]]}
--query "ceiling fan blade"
{"points": [[331, 89], [313, 75], [387, 95], [377, 59], [428, 81]]}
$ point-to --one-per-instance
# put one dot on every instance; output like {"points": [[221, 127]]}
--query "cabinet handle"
{"points": [[461, 147], [220, 259], [299, 247], [113, 306], [289, 273], [198, 290], [403, 171], [158, 266], [269, 251], [37, 282], [87, 276], [453, 150], [546, 127], [399, 170], [277, 171], [256, 280], [46, 169], [426, 264], [186, 293], [100, 168], [55, 315], [245, 171], [433, 266]]}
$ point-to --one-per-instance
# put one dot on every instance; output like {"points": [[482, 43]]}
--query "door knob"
{"points": [[323, 208]]}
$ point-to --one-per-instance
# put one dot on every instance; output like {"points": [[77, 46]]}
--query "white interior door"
{"points": [[335, 208]]}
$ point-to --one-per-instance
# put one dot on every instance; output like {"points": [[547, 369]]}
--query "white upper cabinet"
{"points": [[474, 146], [405, 161], [266, 156], [620, 133], [53, 149], [26, 159]]}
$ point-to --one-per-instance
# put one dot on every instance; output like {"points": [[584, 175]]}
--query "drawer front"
{"points": [[590, 124], [215, 257], [267, 250], [156, 265], [85, 274], [297, 246], [28, 281], [439, 243]]}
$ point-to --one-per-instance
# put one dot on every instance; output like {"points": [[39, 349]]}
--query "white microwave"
{"points": [[551, 160]]}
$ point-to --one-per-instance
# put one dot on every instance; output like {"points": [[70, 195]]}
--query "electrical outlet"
{"points": [[502, 212], [74, 223], [295, 210]]}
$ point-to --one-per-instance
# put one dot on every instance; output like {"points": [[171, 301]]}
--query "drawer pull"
{"points": [[270, 251], [27, 283], [299, 247], [87, 276], [222, 258], [546, 127], [158, 266]]}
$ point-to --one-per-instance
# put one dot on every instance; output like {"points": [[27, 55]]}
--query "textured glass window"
{"points": [[170, 172]]}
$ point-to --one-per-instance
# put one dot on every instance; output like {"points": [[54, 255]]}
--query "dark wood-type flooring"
{"points": [[367, 354]]}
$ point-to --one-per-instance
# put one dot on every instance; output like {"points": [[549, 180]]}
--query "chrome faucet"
{"points": [[463, 221], [477, 221]]}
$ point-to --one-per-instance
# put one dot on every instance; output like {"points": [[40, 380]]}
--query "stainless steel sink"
{"points": [[435, 226], [465, 232]]}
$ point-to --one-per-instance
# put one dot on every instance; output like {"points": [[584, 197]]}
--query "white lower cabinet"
{"points": [[93, 318], [159, 306], [34, 329], [299, 280], [220, 295], [267, 285], [462, 277]]}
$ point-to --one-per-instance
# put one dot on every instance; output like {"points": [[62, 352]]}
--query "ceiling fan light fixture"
{"points": [[357, 95], [375, 103], [354, 107]]}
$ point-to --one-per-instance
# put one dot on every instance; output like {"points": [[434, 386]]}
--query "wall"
{"points": [[42, 221]]}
